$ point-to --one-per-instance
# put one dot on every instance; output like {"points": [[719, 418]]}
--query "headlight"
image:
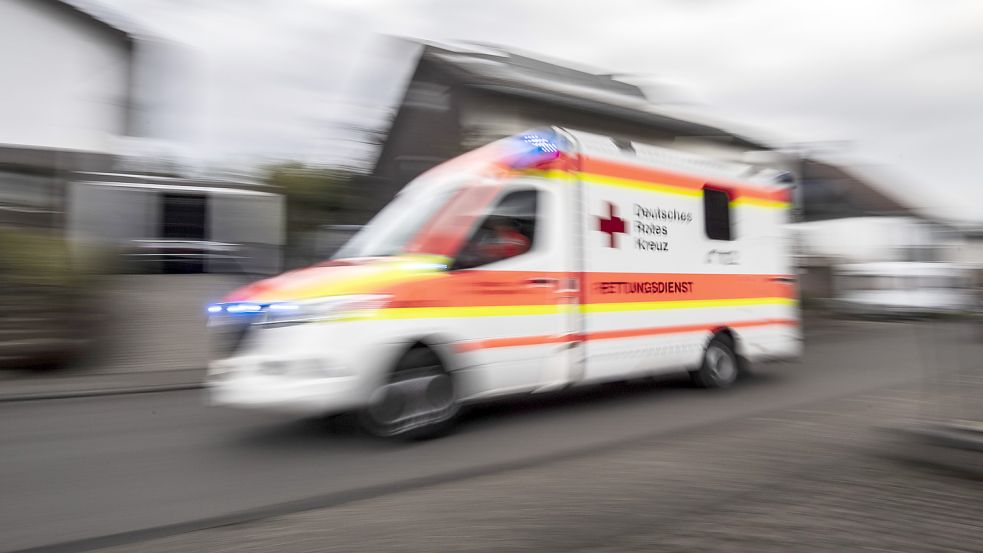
{"points": [[298, 312], [324, 309]]}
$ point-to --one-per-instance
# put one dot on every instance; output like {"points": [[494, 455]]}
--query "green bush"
{"points": [[47, 312]]}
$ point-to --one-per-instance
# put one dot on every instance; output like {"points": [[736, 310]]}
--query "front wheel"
{"points": [[418, 401], [720, 367]]}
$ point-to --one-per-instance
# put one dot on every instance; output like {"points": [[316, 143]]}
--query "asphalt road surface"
{"points": [[76, 469]]}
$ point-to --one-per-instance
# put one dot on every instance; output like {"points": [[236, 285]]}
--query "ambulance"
{"points": [[539, 262]]}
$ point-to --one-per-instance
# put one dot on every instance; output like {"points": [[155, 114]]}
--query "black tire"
{"points": [[720, 367], [419, 381]]}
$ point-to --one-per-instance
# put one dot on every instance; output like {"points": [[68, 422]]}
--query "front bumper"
{"points": [[303, 386]]}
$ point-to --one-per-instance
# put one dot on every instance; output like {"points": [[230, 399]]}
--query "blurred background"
{"points": [[155, 154]]}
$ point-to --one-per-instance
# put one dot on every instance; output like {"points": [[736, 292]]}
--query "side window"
{"points": [[716, 214], [508, 230]]}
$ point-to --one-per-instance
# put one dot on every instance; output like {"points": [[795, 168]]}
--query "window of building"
{"points": [[716, 214], [508, 230]]}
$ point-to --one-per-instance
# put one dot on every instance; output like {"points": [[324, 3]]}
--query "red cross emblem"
{"points": [[612, 225]]}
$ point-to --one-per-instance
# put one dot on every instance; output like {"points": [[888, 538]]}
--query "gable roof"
{"points": [[508, 73], [833, 191], [86, 14]]}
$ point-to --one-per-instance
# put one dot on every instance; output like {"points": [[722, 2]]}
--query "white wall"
{"points": [[970, 253], [65, 81], [862, 239]]}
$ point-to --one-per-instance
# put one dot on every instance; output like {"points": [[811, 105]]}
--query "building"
{"points": [[67, 98], [460, 98], [82, 147], [68, 77], [830, 191], [177, 224]]}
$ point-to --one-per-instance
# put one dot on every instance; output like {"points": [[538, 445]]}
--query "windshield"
{"points": [[393, 228], [389, 232]]}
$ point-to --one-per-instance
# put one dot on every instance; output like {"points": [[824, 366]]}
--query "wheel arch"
{"points": [[736, 344], [438, 343]]}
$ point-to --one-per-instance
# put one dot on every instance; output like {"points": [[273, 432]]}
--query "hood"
{"points": [[341, 277]]}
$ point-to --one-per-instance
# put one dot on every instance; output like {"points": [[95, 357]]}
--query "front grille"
{"points": [[229, 334]]}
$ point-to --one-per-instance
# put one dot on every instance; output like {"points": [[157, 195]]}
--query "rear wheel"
{"points": [[720, 367], [418, 401]]}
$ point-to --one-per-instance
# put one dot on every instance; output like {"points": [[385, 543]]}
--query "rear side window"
{"points": [[716, 214]]}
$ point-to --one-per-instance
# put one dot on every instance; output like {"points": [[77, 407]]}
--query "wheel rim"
{"points": [[721, 365], [413, 401]]}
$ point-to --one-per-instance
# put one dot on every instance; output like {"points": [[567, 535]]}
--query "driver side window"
{"points": [[508, 230]]}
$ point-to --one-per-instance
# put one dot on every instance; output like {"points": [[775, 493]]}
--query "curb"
{"points": [[948, 446], [951, 435], [12, 398]]}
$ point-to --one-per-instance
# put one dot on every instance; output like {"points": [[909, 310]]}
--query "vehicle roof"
{"points": [[641, 153]]}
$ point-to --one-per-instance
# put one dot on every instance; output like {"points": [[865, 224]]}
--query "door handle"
{"points": [[545, 282]]}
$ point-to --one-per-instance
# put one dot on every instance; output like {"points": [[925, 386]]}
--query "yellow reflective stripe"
{"points": [[760, 202], [368, 277], [554, 174], [640, 185], [554, 309], [632, 184], [681, 304]]}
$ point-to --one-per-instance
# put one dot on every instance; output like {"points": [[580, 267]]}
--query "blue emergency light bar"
{"points": [[235, 308], [250, 308], [538, 147]]}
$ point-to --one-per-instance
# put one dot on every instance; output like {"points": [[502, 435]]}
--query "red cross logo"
{"points": [[612, 225]]}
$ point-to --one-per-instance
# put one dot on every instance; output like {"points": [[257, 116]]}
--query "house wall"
{"points": [[425, 132], [66, 79], [969, 253], [871, 239]]}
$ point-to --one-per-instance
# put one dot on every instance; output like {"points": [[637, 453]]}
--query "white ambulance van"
{"points": [[542, 261]]}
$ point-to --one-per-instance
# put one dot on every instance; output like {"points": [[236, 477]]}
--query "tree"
{"points": [[315, 196]]}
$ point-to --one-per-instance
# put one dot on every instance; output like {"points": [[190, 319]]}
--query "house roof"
{"points": [[840, 192], [833, 191], [502, 66], [88, 13], [508, 73]]}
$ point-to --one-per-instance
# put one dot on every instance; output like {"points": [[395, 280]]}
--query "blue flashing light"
{"points": [[250, 308], [283, 307], [536, 148], [241, 308], [541, 144]]}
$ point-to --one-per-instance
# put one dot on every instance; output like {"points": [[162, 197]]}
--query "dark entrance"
{"points": [[183, 232]]}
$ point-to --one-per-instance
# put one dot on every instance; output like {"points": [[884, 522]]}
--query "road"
{"points": [[83, 468]]}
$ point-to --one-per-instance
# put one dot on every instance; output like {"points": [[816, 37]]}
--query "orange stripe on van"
{"points": [[647, 287], [493, 343], [680, 329], [681, 180], [474, 288]]}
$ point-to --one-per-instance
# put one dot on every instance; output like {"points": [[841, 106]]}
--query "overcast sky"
{"points": [[894, 84]]}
